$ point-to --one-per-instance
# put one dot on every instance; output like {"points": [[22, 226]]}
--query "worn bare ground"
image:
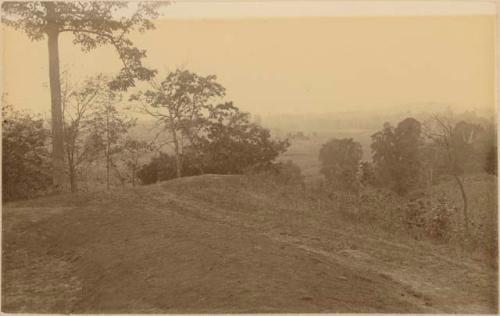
{"points": [[212, 244]]}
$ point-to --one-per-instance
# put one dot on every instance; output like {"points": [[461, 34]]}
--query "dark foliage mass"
{"points": [[162, 167], [228, 143], [367, 176], [282, 173], [340, 159], [491, 162], [409, 155], [180, 103], [25, 158], [397, 155]]}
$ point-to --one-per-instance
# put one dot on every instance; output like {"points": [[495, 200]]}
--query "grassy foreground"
{"points": [[222, 244]]}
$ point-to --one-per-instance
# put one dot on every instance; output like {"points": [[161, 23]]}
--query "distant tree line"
{"points": [[412, 156]]}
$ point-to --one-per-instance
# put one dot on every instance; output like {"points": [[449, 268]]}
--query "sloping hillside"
{"points": [[220, 244]]}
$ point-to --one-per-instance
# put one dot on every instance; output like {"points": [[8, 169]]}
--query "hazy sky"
{"points": [[294, 65]]}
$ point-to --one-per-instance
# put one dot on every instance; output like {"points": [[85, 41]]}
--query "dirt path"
{"points": [[153, 249], [417, 269]]}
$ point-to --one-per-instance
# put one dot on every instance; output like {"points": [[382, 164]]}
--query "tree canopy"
{"points": [[397, 154], [340, 159], [180, 103], [93, 24]]}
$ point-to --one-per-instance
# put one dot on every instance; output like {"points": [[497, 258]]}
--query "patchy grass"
{"points": [[388, 211], [224, 244]]}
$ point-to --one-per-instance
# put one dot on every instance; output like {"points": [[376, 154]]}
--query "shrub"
{"points": [[163, 167], [26, 168], [282, 173], [413, 216], [440, 224], [290, 173], [367, 174]]}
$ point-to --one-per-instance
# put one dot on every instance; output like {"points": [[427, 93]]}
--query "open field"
{"points": [[220, 244]]}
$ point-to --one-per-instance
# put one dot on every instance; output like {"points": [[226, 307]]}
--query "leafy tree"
{"points": [[81, 146], [93, 24], [340, 160], [25, 167], [470, 143], [465, 139], [455, 141], [110, 127], [229, 142], [149, 173], [179, 102], [367, 176], [433, 166], [214, 138], [384, 154], [132, 152], [290, 173], [397, 155], [409, 143], [491, 166], [486, 149]]}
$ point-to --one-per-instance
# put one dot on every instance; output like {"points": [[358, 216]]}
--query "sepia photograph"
{"points": [[243, 157]]}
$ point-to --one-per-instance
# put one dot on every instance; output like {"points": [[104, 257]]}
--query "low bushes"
{"points": [[26, 168], [434, 215], [281, 173]]}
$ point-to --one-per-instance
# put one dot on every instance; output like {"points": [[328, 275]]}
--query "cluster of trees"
{"points": [[95, 132], [92, 24], [206, 135], [412, 156], [96, 128], [87, 124]]}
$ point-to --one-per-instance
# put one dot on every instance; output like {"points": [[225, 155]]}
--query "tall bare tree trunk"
{"points": [[465, 201], [55, 95], [178, 162], [107, 149], [431, 191], [199, 166], [72, 180], [455, 173], [71, 168], [107, 168]]}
